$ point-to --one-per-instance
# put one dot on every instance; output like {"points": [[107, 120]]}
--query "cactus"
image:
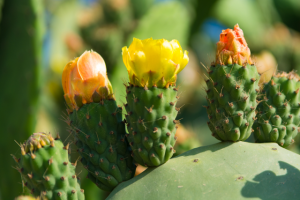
{"points": [[21, 51], [232, 88], [277, 117], [45, 168], [153, 66], [225, 170], [96, 122]]}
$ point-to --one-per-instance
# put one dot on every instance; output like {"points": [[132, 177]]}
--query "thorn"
{"points": [[272, 82], [57, 137], [65, 163], [164, 117], [66, 147], [73, 191], [30, 175], [47, 178], [253, 80], [32, 156], [50, 161], [160, 95], [168, 134], [52, 144], [87, 116]]}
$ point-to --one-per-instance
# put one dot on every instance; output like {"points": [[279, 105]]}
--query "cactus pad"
{"points": [[100, 137], [151, 123], [232, 88], [221, 171], [46, 170], [231, 97], [278, 113]]}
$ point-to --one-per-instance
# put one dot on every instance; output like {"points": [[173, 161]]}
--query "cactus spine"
{"points": [[45, 169], [232, 88], [278, 113]]}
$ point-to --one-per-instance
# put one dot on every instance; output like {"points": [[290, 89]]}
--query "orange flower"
{"points": [[232, 47], [84, 80]]}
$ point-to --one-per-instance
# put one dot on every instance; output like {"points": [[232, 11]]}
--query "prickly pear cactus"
{"points": [[46, 170], [278, 113], [153, 66], [96, 122], [232, 88], [151, 124], [256, 171]]}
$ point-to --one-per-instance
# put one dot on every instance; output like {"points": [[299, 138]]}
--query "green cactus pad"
{"points": [[226, 171], [231, 97], [278, 113], [151, 123], [46, 170], [100, 137]]}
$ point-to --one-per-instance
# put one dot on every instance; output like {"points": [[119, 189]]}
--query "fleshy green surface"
{"points": [[48, 173], [151, 123], [224, 171], [100, 138], [21, 53], [278, 113], [231, 97]]}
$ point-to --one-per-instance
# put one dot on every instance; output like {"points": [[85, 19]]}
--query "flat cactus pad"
{"points": [[225, 170]]}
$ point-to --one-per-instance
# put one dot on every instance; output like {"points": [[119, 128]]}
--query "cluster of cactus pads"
{"points": [[110, 147]]}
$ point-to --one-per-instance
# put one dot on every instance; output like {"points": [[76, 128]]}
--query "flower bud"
{"points": [[154, 62], [232, 47], [84, 80]]}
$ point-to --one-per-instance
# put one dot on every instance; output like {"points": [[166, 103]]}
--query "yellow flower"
{"points": [[84, 79], [232, 47], [154, 62]]}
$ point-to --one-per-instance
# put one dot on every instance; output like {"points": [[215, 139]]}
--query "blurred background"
{"points": [[39, 37]]}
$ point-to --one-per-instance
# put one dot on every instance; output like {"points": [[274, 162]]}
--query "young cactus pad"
{"points": [[96, 122], [221, 171], [232, 88], [278, 113], [152, 66], [45, 169]]}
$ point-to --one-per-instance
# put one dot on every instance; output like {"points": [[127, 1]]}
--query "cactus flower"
{"points": [[154, 62], [84, 79], [232, 47]]}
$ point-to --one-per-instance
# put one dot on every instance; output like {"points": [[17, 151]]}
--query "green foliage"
{"points": [[46, 170], [221, 171], [100, 138], [20, 50], [231, 97], [151, 123], [278, 113]]}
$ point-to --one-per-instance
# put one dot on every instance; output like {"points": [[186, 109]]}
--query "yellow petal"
{"points": [[184, 61], [177, 51]]}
